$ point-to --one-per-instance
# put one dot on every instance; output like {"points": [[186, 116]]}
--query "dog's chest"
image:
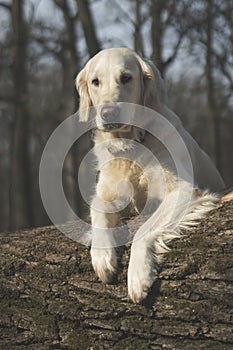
{"points": [[123, 178]]}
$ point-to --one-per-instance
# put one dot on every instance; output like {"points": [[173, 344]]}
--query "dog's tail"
{"points": [[185, 215]]}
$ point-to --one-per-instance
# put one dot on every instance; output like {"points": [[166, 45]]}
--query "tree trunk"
{"points": [[88, 26], [212, 113], [68, 56], [51, 299], [138, 43], [20, 200], [157, 7]]}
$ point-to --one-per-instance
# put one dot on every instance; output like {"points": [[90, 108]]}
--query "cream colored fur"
{"points": [[177, 203]]}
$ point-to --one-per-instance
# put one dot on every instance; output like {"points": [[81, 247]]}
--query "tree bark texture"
{"points": [[50, 297]]}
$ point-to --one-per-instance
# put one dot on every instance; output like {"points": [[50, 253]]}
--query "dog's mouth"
{"points": [[115, 127], [109, 118]]}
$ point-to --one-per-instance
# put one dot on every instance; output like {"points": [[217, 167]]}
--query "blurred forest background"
{"points": [[44, 44]]}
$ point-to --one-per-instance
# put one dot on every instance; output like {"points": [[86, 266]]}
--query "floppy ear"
{"points": [[85, 100], [153, 85]]}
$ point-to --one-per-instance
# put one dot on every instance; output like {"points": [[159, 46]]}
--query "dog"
{"points": [[128, 179]]}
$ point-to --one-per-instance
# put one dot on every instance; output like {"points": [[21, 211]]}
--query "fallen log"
{"points": [[50, 297]]}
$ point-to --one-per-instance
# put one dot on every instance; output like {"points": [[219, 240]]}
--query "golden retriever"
{"points": [[128, 179]]}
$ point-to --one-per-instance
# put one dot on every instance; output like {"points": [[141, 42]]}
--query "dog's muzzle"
{"points": [[110, 116]]}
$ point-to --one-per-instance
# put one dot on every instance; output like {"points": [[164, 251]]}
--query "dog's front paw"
{"points": [[142, 273], [104, 262]]}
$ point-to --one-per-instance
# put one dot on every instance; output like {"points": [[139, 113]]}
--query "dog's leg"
{"points": [[180, 210], [103, 254]]}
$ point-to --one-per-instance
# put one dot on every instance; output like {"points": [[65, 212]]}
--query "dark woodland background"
{"points": [[44, 44]]}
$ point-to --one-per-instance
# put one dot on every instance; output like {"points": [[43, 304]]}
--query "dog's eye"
{"points": [[126, 78], [95, 82]]}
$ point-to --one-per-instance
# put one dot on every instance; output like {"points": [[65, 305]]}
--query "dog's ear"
{"points": [[154, 91], [85, 100]]}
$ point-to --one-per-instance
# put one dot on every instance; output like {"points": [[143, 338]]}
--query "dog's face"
{"points": [[113, 76]]}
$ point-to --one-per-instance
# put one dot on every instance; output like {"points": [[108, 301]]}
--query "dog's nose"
{"points": [[110, 113]]}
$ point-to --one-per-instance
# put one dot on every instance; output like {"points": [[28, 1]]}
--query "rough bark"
{"points": [[51, 299]]}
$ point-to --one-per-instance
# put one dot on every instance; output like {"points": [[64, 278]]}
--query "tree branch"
{"points": [[5, 6], [222, 63], [175, 51]]}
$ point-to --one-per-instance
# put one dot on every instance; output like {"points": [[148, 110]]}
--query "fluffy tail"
{"points": [[177, 216]]}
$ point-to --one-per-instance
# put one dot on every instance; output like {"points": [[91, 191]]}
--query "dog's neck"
{"points": [[134, 133], [115, 142]]}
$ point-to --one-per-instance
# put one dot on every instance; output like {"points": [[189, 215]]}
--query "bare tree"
{"points": [[157, 8], [167, 15], [212, 113], [35, 96], [21, 213], [209, 37], [86, 19], [69, 59], [138, 41]]}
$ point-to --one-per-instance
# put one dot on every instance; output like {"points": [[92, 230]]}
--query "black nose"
{"points": [[110, 113]]}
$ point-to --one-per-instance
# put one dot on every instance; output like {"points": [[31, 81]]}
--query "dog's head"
{"points": [[117, 75]]}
